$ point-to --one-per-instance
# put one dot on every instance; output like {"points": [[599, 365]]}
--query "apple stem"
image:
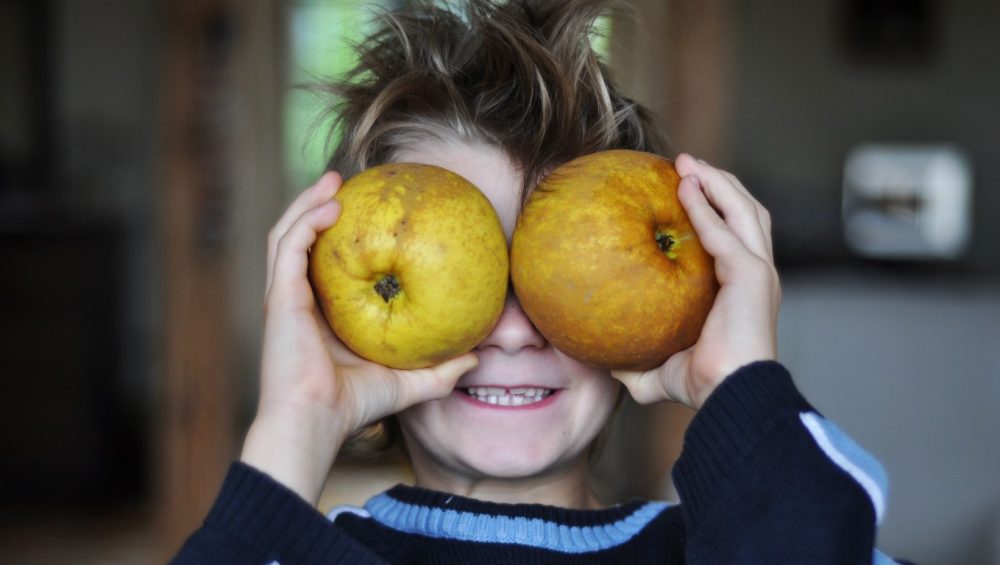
{"points": [[665, 241], [387, 287]]}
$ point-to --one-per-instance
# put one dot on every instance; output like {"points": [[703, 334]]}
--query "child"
{"points": [[502, 94]]}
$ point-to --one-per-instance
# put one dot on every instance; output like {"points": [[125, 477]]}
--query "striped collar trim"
{"points": [[491, 528]]}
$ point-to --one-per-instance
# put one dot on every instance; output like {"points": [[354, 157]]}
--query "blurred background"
{"points": [[146, 146]]}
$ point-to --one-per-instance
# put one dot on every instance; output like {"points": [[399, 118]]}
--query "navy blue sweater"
{"points": [[763, 478]]}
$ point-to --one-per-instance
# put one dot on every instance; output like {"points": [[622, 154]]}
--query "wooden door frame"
{"points": [[222, 187]]}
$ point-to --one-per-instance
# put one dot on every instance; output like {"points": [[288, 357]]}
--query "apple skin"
{"points": [[588, 267], [415, 270]]}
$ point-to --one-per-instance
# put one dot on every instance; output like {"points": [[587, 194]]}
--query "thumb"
{"points": [[436, 382], [665, 382], [644, 386]]}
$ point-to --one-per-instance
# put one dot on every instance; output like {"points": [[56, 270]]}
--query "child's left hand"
{"points": [[742, 325]]}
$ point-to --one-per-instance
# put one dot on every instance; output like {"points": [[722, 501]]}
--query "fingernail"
{"points": [[702, 161]]}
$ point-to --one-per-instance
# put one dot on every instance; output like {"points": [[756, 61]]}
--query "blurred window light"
{"points": [[321, 34], [904, 201]]}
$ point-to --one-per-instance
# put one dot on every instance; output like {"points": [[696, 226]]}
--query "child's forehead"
{"points": [[464, 155], [487, 167]]}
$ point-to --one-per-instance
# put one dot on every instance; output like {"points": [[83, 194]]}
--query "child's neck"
{"points": [[566, 488]]}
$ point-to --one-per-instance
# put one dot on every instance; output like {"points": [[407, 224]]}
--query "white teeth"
{"points": [[508, 397]]}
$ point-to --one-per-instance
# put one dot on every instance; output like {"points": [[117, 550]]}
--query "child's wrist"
{"points": [[709, 383], [295, 449]]}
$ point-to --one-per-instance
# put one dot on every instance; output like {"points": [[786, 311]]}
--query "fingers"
{"points": [[665, 382], [715, 235], [746, 217], [434, 382], [291, 257], [690, 165], [644, 386], [374, 391], [314, 196]]}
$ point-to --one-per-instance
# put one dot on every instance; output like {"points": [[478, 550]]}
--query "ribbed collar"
{"points": [[440, 515]]}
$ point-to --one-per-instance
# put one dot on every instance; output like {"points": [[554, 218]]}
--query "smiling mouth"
{"points": [[520, 396]]}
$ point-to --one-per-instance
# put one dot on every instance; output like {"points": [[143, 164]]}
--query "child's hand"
{"points": [[742, 325], [314, 391]]}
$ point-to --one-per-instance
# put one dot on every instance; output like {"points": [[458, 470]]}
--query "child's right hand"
{"points": [[742, 326], [314, 391]]}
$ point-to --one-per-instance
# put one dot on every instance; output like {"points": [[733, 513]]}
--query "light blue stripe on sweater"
{"points": [[850, 457], [879, 558], [533, 532]]}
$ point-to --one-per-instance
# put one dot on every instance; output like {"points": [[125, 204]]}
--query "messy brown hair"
{"points": [[520, 75]]}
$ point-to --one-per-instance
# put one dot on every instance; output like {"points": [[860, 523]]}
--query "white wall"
{"points": [[906, 359], [911, 369]]}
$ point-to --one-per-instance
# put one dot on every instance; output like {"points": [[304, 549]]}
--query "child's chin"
{"points": [[514, 464]]}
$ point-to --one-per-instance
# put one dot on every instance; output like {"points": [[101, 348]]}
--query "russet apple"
{"points": [[606, 264], [415, 271]]}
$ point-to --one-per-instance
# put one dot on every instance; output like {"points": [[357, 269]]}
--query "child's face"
{"points": [[458, 442]]}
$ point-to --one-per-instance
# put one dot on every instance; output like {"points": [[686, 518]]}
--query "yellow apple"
{"points": [[607, 265], [415, 271]]}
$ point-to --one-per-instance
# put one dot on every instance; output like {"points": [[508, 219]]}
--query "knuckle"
{"points": [[770, 278], [765, 219], [714, 239], [273, 236], [747, 207], [273, 302], [287, 245], [282, 243], [761, 270], [765, 215]]}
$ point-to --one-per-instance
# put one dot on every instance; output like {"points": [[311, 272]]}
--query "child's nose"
{"points": [[514, 331]]}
